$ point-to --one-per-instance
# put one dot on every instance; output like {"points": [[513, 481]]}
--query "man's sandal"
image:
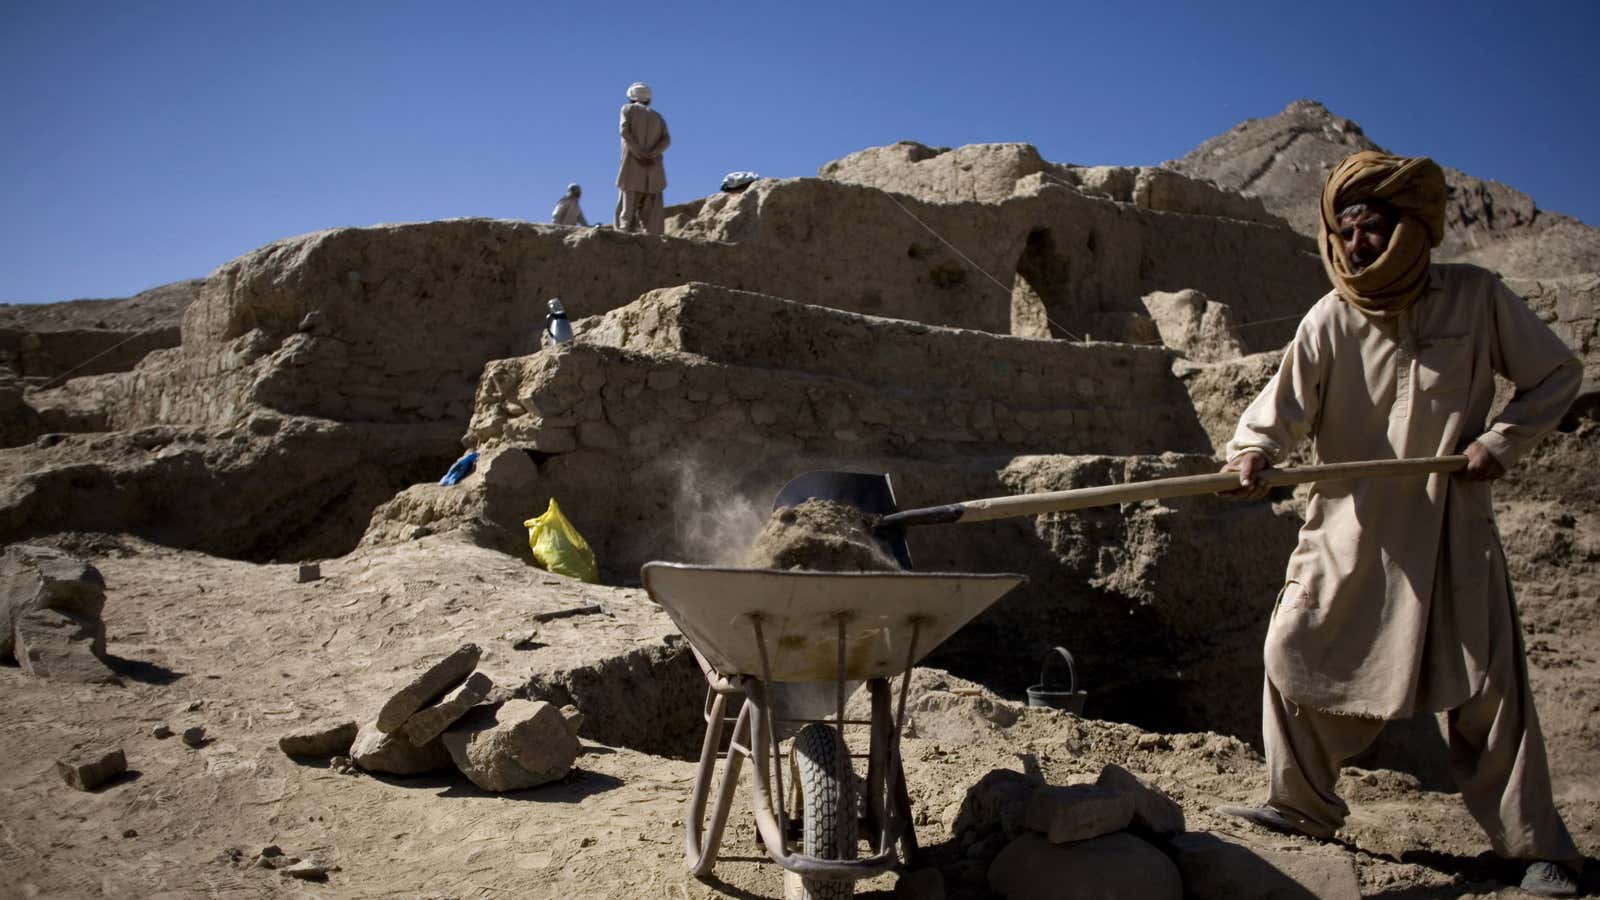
{"points": [[1548, 879]]}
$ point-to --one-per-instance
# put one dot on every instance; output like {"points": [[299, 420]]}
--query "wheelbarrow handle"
{"points": [[1160, 488]]}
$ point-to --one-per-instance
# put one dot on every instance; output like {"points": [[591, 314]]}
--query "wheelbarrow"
{"points": [[774, 643]]}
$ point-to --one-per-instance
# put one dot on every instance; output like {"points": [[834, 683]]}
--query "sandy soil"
{"points": [[246, 651]]}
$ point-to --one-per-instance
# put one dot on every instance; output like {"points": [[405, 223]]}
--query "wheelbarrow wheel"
{"points": [[827, 797]]}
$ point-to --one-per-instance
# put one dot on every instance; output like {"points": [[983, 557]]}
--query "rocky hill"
{"points": [[1282, 160]]}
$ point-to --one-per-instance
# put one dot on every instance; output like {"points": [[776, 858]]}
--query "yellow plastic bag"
{"points": [[558, 547]]}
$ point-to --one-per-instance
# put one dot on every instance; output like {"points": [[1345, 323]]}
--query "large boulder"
{"points": [[519, 744], [1105, 868], [50, 605]]}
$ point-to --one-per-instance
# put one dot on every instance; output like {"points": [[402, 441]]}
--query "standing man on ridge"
{"points": [[643, 175], [1396, 599]]}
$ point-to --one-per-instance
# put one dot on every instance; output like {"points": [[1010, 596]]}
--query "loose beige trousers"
{"points": [[640, 211], [1496, 755]]}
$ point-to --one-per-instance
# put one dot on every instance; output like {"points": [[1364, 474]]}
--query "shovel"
{"points": [[815, 484]]}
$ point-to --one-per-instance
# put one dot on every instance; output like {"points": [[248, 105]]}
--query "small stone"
{"points": [[273, 857], [427, 686], [161, 732], [343, 765], [194, 736], [307, 870], [320, 739], [130, 833], [92, 768], [575, 718], [308, 572]]}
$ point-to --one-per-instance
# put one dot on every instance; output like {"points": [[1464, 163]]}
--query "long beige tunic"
{"points": [[644, 137], [1397, 592]]}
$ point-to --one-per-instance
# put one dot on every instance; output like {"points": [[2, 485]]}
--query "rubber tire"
{"points": [[827, 796]]}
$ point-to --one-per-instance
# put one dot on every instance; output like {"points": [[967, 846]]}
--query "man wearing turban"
{"points": [[1396, 599], [643, 175], [567, 211]]}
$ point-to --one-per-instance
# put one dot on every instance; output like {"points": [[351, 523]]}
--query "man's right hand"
{"points": [[1247, 464]]}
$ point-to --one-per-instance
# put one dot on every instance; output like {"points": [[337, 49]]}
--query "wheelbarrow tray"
{"points": [[800, 611]]}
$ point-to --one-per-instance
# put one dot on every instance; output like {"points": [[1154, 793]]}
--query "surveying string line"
{"points": [[64, 375]]}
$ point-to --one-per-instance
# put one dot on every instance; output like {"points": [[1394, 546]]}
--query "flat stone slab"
{"points": [[1217, 869], [320, 739], [1077, 812], [427, 724], [1116, 865], [91, 768], [377, 751], [521, 744], [428, 685]]}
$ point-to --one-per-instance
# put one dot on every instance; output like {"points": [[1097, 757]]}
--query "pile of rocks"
{"points": [[50, 605], [445, 716], [1119, 837]]}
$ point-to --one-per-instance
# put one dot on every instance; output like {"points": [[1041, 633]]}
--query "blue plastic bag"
{"points": [[461, 469]]}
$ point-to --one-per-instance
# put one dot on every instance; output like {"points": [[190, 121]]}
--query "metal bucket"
{"points": [[1052, 694]]}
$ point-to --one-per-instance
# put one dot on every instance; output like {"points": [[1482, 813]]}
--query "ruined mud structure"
{"points": [[1098, 324]]}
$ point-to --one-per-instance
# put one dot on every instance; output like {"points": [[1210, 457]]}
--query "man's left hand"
{"points": [[1481, 464]]}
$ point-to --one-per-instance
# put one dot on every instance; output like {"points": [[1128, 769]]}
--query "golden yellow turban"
{"points": [[1414, 188]]}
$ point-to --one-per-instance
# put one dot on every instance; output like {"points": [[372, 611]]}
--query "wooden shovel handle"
{"points": [[1160, 488]]}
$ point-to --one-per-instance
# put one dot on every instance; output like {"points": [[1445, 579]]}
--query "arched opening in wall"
{"points": [[1042, 288]]}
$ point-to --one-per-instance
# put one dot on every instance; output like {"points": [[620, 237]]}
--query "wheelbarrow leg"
{"points": [[888, 812], [700, 841]]}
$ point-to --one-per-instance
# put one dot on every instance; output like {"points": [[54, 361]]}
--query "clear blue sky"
{"points": [[149, 142]]}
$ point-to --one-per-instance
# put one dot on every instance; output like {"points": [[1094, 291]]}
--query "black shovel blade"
{"points": [[870, 492]]}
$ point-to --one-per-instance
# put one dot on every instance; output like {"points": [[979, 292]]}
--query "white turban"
{"points": [[639, 92]]}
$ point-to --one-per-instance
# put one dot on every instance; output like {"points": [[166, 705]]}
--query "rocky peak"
{"points": [[1283, 160]]}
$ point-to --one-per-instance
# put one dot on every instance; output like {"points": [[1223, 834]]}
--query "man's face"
{"points": [[1365, 235]]}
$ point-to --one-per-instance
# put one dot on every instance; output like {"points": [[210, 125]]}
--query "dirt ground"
{"points": [[249, 653]]}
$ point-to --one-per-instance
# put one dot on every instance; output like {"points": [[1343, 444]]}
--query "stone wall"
{"points": [[699, 393], [394, 323]]}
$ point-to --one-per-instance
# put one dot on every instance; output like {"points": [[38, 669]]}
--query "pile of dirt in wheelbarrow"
{"points": [[822, 536]]}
